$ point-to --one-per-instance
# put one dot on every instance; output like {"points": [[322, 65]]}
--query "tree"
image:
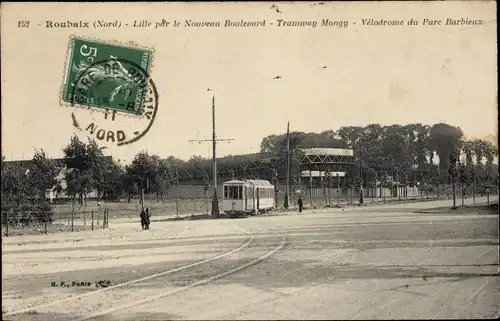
{"points": [[384, 183], [14, 185], [445, 140], [102, 170], [453, 173], [462, 178], [162, 180], [144, 171], [350, 184], [490, 152], [351, 135], [477, 146], [16, 191], [371, 176], [130, 183], [269, 144], [86, 169], [111, 185], [328, 182], [420, 143], [42, 174]]}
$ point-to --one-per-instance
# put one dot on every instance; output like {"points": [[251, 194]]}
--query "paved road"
{"points": [[374, 262]]}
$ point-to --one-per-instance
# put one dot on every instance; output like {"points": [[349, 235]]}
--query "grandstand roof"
{"points": [[327, 151]]}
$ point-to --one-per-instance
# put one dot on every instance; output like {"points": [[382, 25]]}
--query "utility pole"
{"points": [[398, 187], [310, 187], [338, 189], [177, 192], [452, 171], [276, 181], [286, 205], [215, 200], [142, 194], [473, 186], [360, 177]]}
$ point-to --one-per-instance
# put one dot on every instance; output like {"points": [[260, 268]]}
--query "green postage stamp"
{"points": [[107, 76]]}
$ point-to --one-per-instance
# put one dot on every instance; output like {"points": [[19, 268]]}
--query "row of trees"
{"points": [[83, 170], [412, 152], [434, 154], [23, 190]]}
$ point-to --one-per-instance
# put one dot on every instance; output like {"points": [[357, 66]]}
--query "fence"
{"points": [[14, 224], [193, 200]]}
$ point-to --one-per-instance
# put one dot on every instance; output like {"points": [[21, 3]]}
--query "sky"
{"points": [[385, 75]]}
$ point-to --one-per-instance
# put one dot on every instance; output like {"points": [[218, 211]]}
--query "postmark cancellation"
{"points": [[109, 88]]}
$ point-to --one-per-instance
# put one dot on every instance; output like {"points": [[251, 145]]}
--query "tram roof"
{"points": [[259, 182], [255, 182]]}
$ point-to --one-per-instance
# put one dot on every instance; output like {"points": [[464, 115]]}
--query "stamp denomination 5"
{"points": [[112, 80]]}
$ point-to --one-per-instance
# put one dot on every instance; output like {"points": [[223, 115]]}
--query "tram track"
{"points": [[84, 238], [228, 266], [65, 300], [104, 301]]}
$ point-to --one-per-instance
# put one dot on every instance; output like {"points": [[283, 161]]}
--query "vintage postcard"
{"points": [[249, 160]]}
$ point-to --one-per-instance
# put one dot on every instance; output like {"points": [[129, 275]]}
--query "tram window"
{"points": [[230, 192], [233, 192], [225, 191]]}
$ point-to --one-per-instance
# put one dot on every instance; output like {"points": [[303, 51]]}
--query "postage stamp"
{"points": [[109, 85], [106, 76]]}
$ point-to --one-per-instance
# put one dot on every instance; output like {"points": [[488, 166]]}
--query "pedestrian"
{"points": [[148, 221], [300, 203], [143, 219]]}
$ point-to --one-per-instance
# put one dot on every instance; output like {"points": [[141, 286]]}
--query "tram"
{"points": [[248, 196]]}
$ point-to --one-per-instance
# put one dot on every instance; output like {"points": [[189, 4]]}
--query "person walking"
{"points": [[143, 219], [300, 203], [148, 220]]}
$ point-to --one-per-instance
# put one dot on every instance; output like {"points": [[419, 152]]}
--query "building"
{"points": [[317, 163], [51, 194]]}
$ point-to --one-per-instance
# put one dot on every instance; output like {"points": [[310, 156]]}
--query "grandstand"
{"points": [[314, 161]]}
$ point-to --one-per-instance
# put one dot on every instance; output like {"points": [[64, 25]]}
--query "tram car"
{"points": [[248, 197]]}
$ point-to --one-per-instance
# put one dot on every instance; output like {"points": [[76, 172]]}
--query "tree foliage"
{"points": [[42, 175], [23, 191], [409, 153]]}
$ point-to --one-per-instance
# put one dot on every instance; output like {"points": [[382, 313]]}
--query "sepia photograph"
{"points": [[249, 160]]}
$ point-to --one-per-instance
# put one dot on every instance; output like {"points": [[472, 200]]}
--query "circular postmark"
{"points": [[115, 101]]}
